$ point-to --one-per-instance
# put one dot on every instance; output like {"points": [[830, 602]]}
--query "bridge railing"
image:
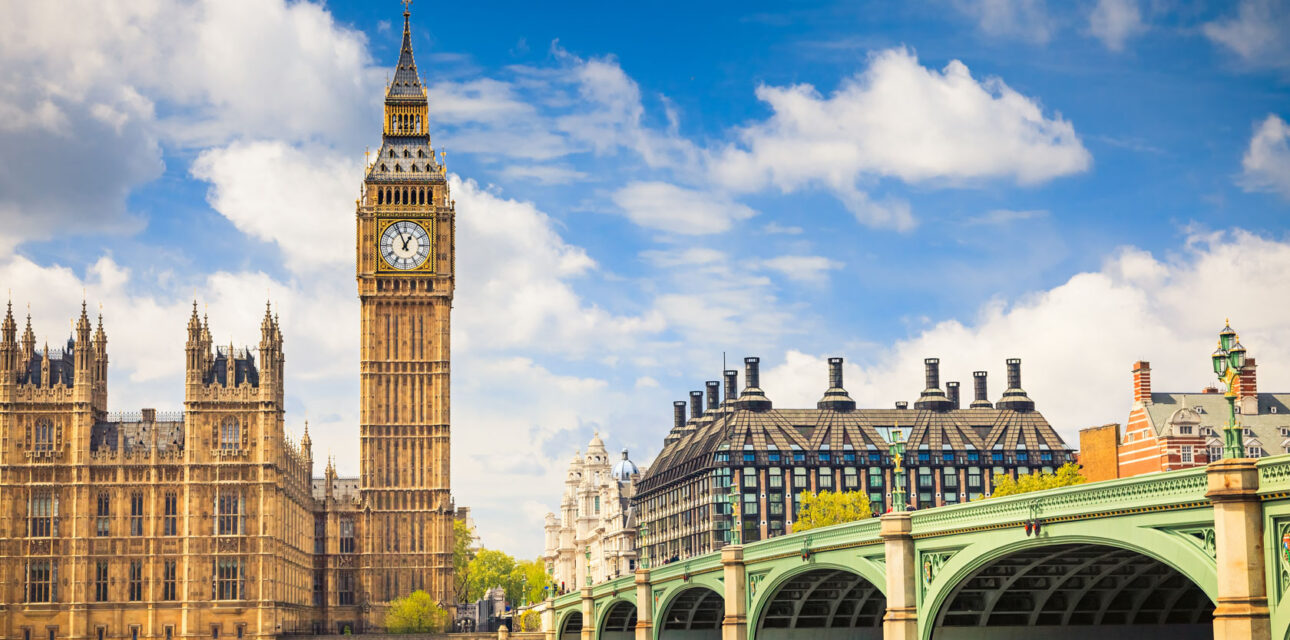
{"points": [[1274, 474], [1108, 497]]}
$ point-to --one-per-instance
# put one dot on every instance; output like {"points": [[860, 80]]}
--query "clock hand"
{"points": [[406, 240]]}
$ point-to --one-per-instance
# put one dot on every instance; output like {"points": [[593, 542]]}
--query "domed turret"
{"points": [[624, 469]]}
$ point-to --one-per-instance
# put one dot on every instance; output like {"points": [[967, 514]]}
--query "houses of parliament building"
{"points": [[209, 523]]}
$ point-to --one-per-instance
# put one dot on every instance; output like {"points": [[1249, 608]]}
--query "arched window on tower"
{"points": [[380, 196], [392, 155], [398, 168], [415, 169], [421, 153], [407, 154], [230, 434], [44, 435]]}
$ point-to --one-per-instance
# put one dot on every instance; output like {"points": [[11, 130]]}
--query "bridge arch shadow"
{"points": [[570, 627], [618, 621], [692, 613], [826, 602], [1073, 590]]}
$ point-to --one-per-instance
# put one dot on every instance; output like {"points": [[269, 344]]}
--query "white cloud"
{"points": [[1078, 341], [544, 174], [1267, 161], [1023, 19], [1006, 216], [901, 120], [803, 269], [667, 207], [1115, 21], [1257, 33], [297, 198], [778, 229], [512, 282], [80, 80]]}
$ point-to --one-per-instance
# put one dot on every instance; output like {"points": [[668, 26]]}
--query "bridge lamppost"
{"points": [[897, 451], [735, 526], [587, 554], [643, 544], [1229, 359]]}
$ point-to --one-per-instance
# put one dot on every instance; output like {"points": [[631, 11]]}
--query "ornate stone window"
{"points": [[42, 580], [228, 513], [43, 438], [42, 514], [230, 434], [103, 519]]}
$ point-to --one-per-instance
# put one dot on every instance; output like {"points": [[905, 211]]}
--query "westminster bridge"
{"points": [[1186, 554]]}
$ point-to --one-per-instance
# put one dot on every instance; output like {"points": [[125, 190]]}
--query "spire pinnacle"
{"points": [[406, 83]]}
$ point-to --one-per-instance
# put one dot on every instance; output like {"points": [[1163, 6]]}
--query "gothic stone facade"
{"points": [[208, 524]]}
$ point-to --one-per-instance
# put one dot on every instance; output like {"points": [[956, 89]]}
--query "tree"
{"points": [[526, 582], [416, 613], [463, 536], [489, 569], [828, 507], [531, 620], [1065, 476]]}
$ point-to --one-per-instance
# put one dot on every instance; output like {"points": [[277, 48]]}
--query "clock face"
{"points": [[405, 245]]}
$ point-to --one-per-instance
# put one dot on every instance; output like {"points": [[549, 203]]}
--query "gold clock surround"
{"points": [[426, 268]]}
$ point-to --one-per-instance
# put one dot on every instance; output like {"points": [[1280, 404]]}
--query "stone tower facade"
{"points": [[405, 285]]}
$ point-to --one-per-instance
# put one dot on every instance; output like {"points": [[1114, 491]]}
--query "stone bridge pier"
{"points": [[1180, 555]]}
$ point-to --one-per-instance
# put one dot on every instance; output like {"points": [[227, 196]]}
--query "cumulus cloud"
{"points": [[1257, 33], [300, 199], [1022, 19], [1115, 21], [81, 82], [900, 120], [1088, 332], [667, 207], [1267, 161]]}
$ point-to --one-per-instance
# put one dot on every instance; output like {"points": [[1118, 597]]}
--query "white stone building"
{"points": [[595, 534]]}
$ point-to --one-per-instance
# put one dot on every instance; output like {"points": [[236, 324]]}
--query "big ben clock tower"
{"points": [[405, 285]]}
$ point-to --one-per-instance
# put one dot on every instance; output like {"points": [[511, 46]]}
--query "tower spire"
{"points": [[406, 83]]}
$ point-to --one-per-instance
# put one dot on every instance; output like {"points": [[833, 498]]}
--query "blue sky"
{"points": [[644, 187]]}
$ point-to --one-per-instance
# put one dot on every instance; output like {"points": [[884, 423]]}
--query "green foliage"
{"points": [[462, 537], [415, 613], [488, 569], [829, 507], [1065, 476], [531, 620]]}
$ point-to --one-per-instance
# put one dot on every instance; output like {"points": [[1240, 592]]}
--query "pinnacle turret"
{"points": [[406, 84]]}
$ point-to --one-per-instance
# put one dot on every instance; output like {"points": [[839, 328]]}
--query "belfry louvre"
{"points": [[208, 523], [772, 455]]}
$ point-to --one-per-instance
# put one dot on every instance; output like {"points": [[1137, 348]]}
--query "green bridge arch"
{"points": [[1164, 520]]}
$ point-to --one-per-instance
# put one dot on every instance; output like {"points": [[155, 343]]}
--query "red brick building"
{"points": [[1173, 430]]}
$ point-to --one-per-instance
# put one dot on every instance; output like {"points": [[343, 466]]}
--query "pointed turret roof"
{"points": [[406, 83]]}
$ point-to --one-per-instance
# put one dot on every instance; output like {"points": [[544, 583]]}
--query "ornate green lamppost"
{"points": [[897, 451], [736, 533], [644, 545], [1229, 359], [587, 554]]}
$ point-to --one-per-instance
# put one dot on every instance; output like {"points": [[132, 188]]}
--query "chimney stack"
{"points": [[752, 398], [1247, 388], [714, 399], [981, 398], [678, 414], [1142, 382], [932, 398], [952, 392], [696, 404], [1014, 397], [836, 397], [732, 388]]}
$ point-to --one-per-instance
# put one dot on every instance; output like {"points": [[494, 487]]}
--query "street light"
{"points": [[644, 536], [587, 550], [735, 532], [897, 451], [1228, 361]]}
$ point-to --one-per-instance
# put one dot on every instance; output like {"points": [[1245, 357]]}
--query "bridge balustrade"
{"points": [[1198, 553]]}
